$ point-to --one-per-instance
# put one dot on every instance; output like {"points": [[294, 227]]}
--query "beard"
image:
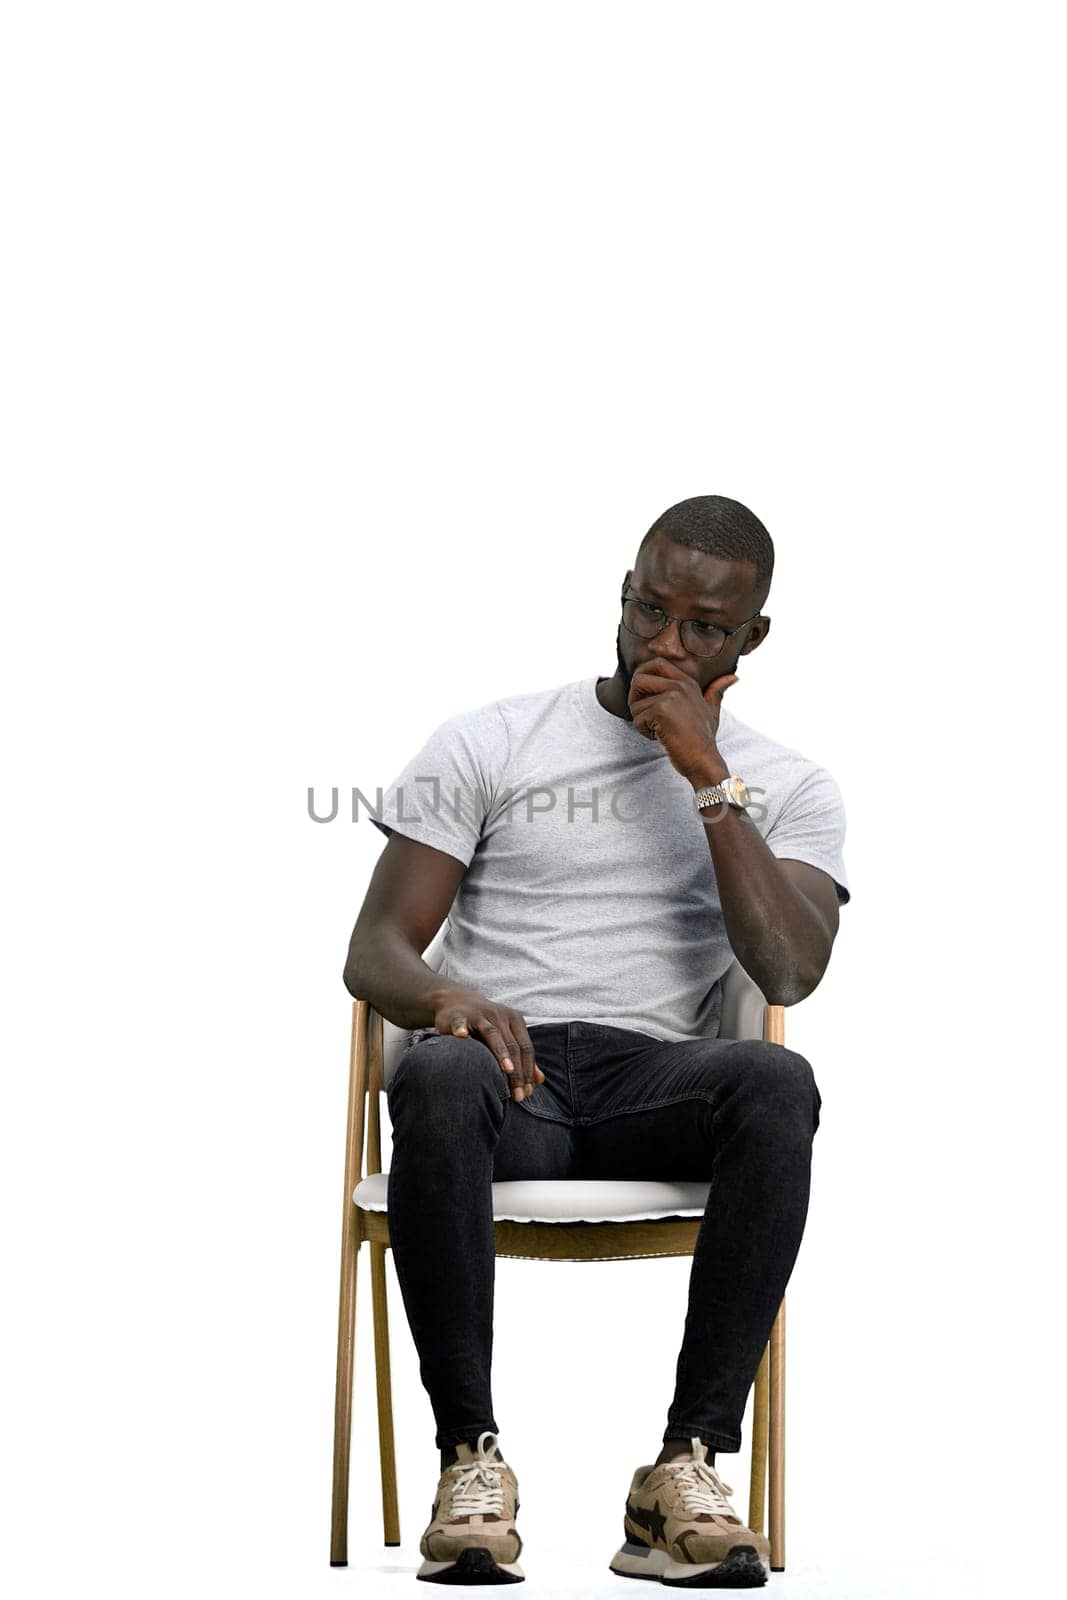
{"points": [[625, 674]]}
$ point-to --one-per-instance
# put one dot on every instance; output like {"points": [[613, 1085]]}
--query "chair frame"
{"points": [[529, 1241]]}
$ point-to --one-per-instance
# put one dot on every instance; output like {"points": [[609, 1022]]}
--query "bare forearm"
{"points": [[778, 936], [384, 970], [776, 933]]}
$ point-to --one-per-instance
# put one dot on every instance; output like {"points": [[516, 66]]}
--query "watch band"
{"points": [[731, 789]]}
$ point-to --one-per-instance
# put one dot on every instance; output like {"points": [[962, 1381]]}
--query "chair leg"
{"points": [[777, 1441], [342, 1407], [386, 1446], [757, 1484]]}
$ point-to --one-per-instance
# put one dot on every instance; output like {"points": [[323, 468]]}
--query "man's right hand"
{"points": [[468, 1014]]}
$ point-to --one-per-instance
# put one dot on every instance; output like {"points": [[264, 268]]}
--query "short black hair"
{"points": [[719, 527]]}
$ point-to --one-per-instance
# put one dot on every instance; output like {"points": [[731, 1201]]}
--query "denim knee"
{"points": [[444, 1076], [781, 1084]]}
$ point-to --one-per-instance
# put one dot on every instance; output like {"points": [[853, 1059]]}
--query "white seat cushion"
{"points": [[571, 1199]]}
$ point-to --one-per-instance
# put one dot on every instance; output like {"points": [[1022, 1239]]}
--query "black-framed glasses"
{"points": [[699, 638]]}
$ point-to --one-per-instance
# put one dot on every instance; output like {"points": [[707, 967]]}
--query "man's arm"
{"points": [[781, 916], [408, 898]]}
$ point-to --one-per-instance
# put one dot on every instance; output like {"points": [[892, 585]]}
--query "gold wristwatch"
{"points": [[732, 790]]}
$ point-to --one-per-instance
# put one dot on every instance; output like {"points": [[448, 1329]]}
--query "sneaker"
{"points": [[681, 1529], [472, 1536]]}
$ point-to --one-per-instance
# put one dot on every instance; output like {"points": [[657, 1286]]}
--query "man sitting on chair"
{"points": [[602, 858]]}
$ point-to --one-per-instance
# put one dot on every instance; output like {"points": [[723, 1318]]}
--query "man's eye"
{"points": [[706, 630], [649, 611]]}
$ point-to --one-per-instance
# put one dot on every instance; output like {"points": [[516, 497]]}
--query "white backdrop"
{"points": [[346, 346]]}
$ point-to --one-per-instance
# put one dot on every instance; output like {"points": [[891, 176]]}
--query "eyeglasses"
{"points": [[699, 638]]}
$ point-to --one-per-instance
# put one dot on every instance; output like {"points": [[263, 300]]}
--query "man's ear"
{"points": [[748, 648]]}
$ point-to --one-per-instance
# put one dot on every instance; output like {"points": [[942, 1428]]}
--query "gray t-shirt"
{"points": [[590, 891]]}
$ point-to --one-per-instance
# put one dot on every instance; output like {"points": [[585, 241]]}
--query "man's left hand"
{"points": [[667, 704]]}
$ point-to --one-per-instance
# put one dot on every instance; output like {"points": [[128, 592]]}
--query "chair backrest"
{"points": [[742, 1008]]}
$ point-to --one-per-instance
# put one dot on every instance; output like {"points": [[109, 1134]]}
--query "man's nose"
{"points": [[669, 642]]}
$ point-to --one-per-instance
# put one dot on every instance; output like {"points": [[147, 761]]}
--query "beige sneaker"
{"points": [[681, 1529], [472, 1537]]}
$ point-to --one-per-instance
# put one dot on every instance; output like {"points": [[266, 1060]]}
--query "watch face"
{"points": [[738, 790]]}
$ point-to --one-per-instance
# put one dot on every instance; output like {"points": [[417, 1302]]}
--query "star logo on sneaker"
{"points": [[654, 1520]]}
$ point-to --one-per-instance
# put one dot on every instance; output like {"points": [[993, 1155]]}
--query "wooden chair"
{"points": [[536, 1220]]}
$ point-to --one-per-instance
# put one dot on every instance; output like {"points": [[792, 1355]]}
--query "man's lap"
{"points": [[620, 1104], [594, 1073]]}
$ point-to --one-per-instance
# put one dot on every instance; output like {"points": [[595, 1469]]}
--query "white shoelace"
{"points": [[702, 1490], [479, 1489]]}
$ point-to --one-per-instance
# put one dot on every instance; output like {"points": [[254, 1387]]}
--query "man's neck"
{"points": [[613, 695]]}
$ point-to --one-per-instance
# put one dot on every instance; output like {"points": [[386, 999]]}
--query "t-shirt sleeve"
{"points": [[811, 828], [444, 794]]}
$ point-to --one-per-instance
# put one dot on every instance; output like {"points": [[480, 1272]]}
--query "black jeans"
{"points": [[738, 1114]]}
